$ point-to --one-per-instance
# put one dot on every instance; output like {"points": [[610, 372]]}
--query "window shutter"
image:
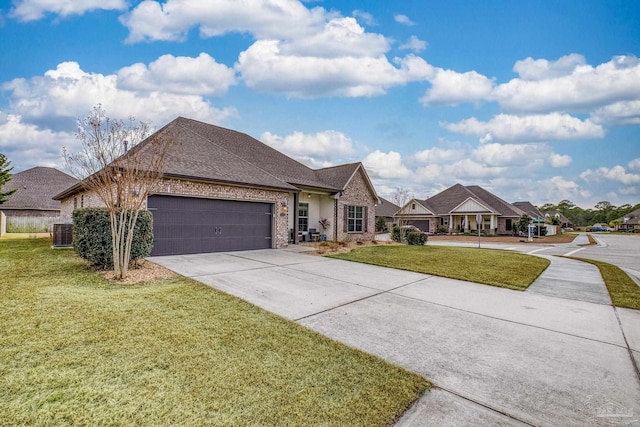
{"points": [[365, 218], [345, 222]]}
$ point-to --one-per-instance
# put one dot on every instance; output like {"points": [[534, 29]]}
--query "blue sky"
{"points": [[534, 101]]}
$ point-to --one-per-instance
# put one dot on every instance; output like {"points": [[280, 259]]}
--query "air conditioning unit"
{"points": [[62, 235]]}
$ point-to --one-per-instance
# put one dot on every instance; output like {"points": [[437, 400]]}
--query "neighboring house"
{"points": [[564, 221], [534, 213], [31, 208], [224, 190], [386, 210], [529, 209], [630, 222], [457, 208]]}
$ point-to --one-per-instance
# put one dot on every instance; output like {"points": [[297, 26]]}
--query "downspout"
{"points": [[296, 200]]}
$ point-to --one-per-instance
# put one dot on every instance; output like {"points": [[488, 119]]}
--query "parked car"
{"points": [[599, 228]]}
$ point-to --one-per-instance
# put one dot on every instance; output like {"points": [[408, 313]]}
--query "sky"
{"points": [[535, 101]]}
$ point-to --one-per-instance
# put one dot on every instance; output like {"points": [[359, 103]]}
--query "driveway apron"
{"points": [[495, 356]]}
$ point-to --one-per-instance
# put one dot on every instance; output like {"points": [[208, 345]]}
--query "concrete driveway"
{"points": [[497, 357]]}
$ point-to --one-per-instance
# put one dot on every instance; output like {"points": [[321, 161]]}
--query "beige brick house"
{"points": [[460, 209], [224, 190]]}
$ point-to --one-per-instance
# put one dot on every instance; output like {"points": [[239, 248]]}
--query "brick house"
{"points": [[223, 190], [457, 209]]}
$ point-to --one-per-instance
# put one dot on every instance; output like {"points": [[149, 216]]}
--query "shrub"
{"points": [[92, 236], [381, 225], [396, 233], [416, 238], [441, 229]]}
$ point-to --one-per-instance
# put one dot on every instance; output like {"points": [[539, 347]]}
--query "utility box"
{"points": [[62, 235]]}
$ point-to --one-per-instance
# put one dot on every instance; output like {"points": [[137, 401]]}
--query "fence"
{"points": [[30, 224]]}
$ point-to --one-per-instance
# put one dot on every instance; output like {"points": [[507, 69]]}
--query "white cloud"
{"points": [[510, 128], [68, 92], [468, 168], [32, 10], [585, 88], [403, 19], [268, 19], [430, 173], [559, 188], [414, 44], [365, 17], [616, 173], [559, 160], [541, 69], [495, 154], [264, 67], [635, 164], [619, 113], [340, 37], [318, 150], [449, 87], [183, 75], [26, 145], [386, 165], [439, 155]]}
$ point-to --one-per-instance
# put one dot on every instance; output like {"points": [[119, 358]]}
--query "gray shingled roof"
{"points": [[447, 200], [529, 209], [632, 217], [212, 153], [36, 187], [386, 208]]}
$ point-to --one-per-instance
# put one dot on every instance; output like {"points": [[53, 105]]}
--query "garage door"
{"points": [[421, 224], [187, 225]]}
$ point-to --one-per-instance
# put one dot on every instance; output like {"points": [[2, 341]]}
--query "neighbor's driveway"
{"points": [[497, 357]]}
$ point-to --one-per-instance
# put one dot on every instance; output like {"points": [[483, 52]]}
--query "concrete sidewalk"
{"points": [[496, 356], [568, 278]]}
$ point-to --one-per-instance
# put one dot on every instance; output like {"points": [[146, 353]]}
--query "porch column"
{"points": [[450, 223], [466, 223], [296, 201], [492, 222]]}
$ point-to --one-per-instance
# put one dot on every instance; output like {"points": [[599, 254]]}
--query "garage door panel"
{"points": [[184, 225]]}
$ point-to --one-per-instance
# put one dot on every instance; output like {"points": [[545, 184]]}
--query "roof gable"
{"points": [[415, 207], [471, 206]]}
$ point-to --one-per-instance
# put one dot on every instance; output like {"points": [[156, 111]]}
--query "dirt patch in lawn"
{"points": [[143, 271], [332, 248]]}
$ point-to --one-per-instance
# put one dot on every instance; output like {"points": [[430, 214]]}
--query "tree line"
{"points": [[603, 212]]}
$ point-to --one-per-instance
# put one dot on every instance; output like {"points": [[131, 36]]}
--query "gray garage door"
{"points": [[187, 225], [421, 224]]}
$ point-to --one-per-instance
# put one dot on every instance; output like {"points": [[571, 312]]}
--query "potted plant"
{"points": [[324, 223]]}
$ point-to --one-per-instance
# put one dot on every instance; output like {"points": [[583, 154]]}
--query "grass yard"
{"points": [[492, 267], [623, 290], [77, 349]]}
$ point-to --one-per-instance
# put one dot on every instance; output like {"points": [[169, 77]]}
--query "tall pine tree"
{"points": [[5, 176]]}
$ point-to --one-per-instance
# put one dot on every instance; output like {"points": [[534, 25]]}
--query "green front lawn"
{"points": [[76, 349], [492, 267], [624, 292]]}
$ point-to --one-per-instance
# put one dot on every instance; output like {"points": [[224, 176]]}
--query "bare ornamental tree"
{"points": [[120, 169]]}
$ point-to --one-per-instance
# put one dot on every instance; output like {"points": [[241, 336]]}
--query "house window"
{"points": [[355, 219], [75, 203], [413, 206], [509, 225], [82, 201], [303, 217]]}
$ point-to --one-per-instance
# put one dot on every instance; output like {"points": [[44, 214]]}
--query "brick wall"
{"points": [[357, 193]]}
